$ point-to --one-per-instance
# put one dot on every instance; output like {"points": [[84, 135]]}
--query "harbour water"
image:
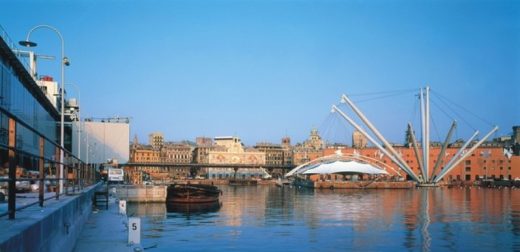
{"points": [[269, 218]]}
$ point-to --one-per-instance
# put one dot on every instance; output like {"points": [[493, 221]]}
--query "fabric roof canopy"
{"points": [[344, 167]]}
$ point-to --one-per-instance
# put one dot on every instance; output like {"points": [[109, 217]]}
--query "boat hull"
{"points": [[192, 194], [188, 199]]}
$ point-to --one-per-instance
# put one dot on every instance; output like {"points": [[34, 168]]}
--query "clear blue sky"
{"points": [[265, 69]]}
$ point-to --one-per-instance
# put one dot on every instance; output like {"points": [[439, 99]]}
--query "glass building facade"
{"points": [[29, 139], [21, 97]]}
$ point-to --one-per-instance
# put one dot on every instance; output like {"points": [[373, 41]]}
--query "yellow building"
{"points": [[233, 152], [178, 153], [156, 140], [359, 141], [311, 149]]}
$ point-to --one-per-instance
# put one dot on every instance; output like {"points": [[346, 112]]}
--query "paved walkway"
{"points": [[105, 230], [24, 199]]}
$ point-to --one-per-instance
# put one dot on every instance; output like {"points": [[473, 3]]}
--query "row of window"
{"points": [[243, 176], [477, 177], [17, 99]]}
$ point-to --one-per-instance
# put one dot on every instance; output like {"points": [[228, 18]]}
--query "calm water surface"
{"points": [[268, 218]]}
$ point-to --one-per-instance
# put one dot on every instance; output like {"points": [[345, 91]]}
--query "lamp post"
{"points": [[65, 62]]}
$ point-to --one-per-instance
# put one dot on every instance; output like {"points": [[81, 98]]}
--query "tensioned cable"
{"points": [[382, 92], [381, 97], [326, 127], [457, 133], [341, 134], [414, 110], [463, 108], [338, 128], [455, 112], [442, 110], [436, 130], [434, 124], [346, 124], [335, 130]]}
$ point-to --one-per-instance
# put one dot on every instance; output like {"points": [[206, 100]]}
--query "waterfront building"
{"points": [[273, 153], [201, 152], [144, 154], [516, 140], [204, 141], [359, 141], [231, 143], [50, 88], [203, 146], [314, 141], [234, 153], [179, 153], [22, 98], [276, 155], [168, 153], [310, 149], [486, 162], [29, 126], [287, 151], [140, 153], [101, 139], [156, 140]]}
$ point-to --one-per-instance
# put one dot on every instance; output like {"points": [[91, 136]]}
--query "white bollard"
{"points": [[134, 230], [122, 207]]}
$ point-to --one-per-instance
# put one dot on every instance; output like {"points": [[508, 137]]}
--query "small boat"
{"points": [[282, 182], [181, 193], [279, 182]]}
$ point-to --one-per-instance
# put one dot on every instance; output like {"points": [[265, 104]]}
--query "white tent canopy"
{"points": [[344, 167]]}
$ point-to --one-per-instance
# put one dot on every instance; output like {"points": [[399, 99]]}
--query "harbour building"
{"points": [[27, 117], [488, 162], [29, 132], [235, 153]]}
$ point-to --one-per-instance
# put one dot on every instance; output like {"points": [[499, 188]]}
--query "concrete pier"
{"points": [[55, 227], [139, 193], [106, 231]]}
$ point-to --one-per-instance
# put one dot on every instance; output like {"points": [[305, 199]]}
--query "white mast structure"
{"points": [[374, 142], [424, 164]]}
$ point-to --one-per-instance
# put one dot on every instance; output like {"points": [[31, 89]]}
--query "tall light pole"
{"points": [[65, 62]]}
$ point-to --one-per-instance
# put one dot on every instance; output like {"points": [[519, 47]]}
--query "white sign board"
{"points": [[122, 207], [134, 230]]}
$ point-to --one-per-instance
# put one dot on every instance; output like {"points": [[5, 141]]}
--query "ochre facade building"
{"points": [[484, 162]]}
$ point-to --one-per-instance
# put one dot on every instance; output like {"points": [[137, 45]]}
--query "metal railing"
{"points": [[13, 47], [42, 170]]}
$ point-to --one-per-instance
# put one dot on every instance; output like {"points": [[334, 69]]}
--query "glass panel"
{"points": [[4, 129], [17, 99]]}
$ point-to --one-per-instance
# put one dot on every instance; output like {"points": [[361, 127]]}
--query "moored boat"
{"points": [[186, 193]]}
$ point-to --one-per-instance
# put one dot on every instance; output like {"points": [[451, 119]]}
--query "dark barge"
{"points": [[187, 193]]}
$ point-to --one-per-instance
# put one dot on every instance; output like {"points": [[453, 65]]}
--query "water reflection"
{"points": [[156, 210], [188, 208], [418, 219]]}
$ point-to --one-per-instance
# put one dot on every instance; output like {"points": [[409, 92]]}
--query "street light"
{"points": [[65, 62]]}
